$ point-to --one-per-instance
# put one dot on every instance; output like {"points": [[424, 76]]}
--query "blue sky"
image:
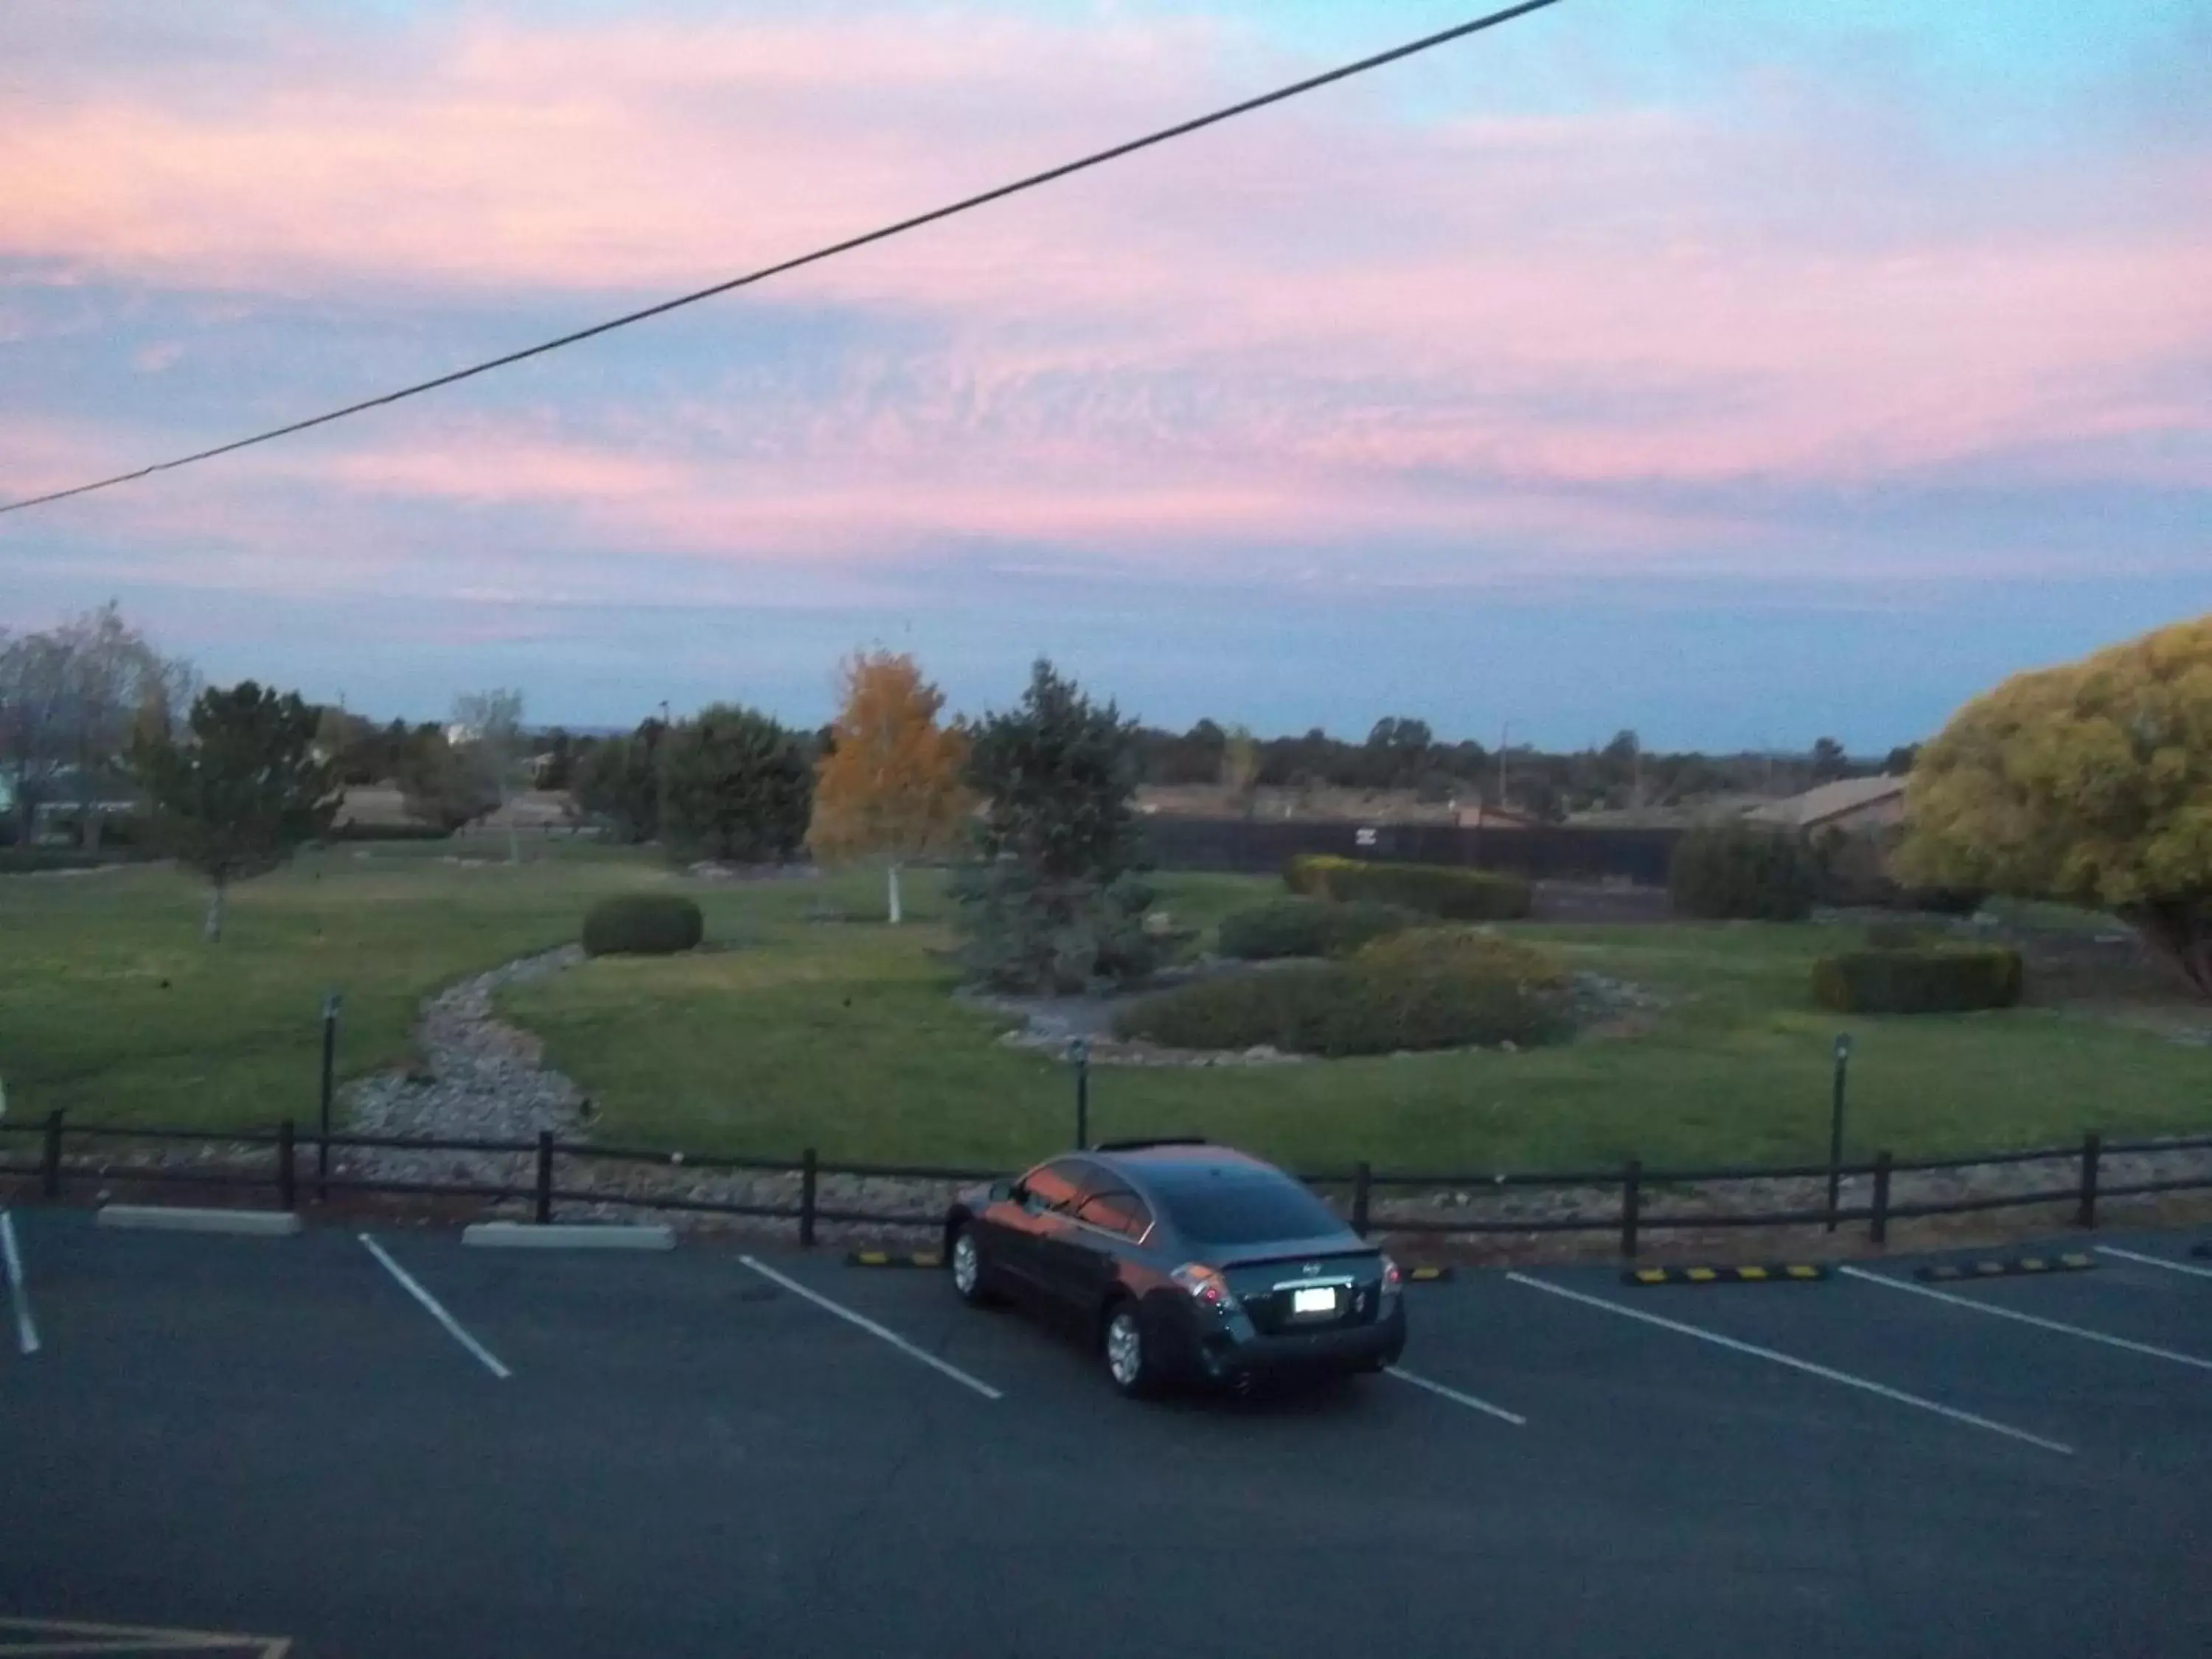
{"points": [[1737, 374]]}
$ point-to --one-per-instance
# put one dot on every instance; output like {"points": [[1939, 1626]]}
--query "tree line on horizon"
{"points": [[1399, 755], [2090, 783]]}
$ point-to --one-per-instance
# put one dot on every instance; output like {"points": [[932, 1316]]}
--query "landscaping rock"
{"points": [[473, 1077]]}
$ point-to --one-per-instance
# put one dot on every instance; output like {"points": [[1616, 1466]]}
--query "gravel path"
{"points": [[474, 1078]]}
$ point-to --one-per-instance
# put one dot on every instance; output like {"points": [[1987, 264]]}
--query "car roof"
{"points": [[1177, 1164]]}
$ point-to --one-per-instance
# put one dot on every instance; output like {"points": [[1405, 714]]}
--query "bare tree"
{"points": [[490, 735], [111, 675], [34, 737]]}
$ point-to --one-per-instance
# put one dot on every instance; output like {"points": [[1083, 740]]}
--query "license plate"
{"points": [[1320, 1299]]}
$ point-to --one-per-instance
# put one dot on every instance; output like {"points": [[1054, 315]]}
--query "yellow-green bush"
{"points": [[1925, 979], [1307, 927], [1464, 950], [1436, 889], [1339, 1008]]}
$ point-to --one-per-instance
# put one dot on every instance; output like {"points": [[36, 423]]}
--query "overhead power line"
{"points": [[1098, 158]]}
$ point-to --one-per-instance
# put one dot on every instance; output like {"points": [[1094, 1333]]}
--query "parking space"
{"points": [[398, 1444]]}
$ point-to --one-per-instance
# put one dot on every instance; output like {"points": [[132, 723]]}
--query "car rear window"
{"points": [[1240, 1210]]}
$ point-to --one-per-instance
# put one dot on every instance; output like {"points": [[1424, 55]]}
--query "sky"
{"points": [[1734, 373]]}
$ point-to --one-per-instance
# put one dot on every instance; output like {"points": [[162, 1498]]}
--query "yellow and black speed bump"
{"points": [[1424, 1275], [1769, 1272], [895, 1259], [2010, 1267]]}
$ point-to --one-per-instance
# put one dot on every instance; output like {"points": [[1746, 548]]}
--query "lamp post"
{"points": [[330, 1003], [1078, 1051], [1835, 1126]]}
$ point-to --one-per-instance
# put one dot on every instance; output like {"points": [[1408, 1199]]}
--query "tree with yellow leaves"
{"points": [[890, 784], [2090, 783]]}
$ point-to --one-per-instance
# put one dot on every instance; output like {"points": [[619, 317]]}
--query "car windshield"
{"points": [[1245, 1210]]}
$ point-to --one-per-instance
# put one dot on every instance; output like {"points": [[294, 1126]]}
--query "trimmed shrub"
{"points": [[1306, 873], [643, 925], [1307, 927], [1435, 889], [1338, 1008], [1927, 979], [1738, 873], [1464, 950]]}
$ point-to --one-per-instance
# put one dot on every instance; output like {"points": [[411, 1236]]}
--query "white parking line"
{"points": [[19, 1294], [1459, 1398], [452, 1325], [1794, 1364], [2036, 1320], [2154, 1261], [872, 1328]]}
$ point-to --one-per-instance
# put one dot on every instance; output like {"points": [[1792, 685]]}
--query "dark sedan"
{"points": [[1181, 1261]]}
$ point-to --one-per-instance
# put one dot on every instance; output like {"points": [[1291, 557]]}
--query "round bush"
{"points": [[1464, 950], [1337, 1008], [1437, 889], [1737, 872], [643, 925], [1307, 927], [1923, 979]]}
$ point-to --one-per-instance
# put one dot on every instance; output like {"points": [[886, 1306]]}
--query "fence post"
{"points": [[809, 1173], [1632, 1205], [1878, 1224], [1079, 1050], [1836, 1128], [544, 1177], [2093, 1151], [1362, 1176], [329, 1071], [50, 1170], [288, 1192]]}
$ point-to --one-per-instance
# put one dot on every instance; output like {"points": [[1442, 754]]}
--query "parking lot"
{"points": [[334, 1444]]}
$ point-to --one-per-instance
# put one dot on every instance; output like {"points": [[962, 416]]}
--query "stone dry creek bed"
{"points": [[476, 1077]]}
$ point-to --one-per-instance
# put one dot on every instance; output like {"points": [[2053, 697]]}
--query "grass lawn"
{"points": [[789, 1032], [843, 1037], [111, 1009]]}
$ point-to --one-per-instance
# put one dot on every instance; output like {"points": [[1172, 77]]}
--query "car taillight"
{"points": [[1206, 1285], [1393, 1280]]}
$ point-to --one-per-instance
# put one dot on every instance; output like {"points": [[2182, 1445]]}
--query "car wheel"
{"points": [[966, 1261], [1127, 1346]]}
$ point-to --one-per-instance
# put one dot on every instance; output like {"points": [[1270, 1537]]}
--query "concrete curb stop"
{"points": [[895, 1259], [1773, 1273], [568, 1236], [156, 1217], [2012, 1267], [1425, 1275]]}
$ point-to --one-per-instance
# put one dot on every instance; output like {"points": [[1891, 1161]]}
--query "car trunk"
{"points": [[1305, 1284]]}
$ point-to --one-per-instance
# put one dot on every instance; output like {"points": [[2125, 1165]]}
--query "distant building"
{"points": [[1858, 807]]}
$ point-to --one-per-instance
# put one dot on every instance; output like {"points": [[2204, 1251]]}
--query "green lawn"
{"points": [[111, 1009], [844, 1037], [789, 1032]]}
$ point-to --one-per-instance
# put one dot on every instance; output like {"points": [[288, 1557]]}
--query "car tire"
{"points": [[1129, 1345], [971, 1283]]}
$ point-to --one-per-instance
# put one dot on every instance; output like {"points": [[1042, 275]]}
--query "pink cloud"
{"points": [[1321, 323]]}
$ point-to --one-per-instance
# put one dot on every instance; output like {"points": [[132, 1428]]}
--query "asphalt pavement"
{"points": [[399, 1448]]}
